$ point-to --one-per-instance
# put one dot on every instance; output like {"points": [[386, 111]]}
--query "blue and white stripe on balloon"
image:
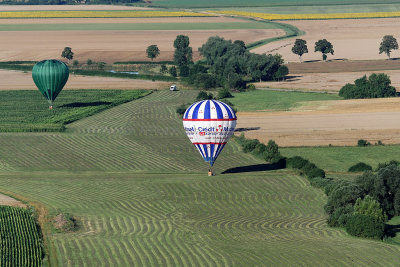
{"points": [[209, 124]]}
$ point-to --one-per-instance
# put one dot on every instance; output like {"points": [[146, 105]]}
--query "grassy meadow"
{"points": [[275, 100], [142, 197], [339, 159]]}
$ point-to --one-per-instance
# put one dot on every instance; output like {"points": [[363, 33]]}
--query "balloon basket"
{"points": [[50, 107], [210, 172]]}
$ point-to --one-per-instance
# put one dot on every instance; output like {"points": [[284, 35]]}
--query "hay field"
{"points": [[320, 123], [326, 82], [353, 39], [118, 45], [140, 191], [18, 80]]}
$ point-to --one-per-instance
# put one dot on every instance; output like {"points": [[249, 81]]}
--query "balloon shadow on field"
{"points": [[85, 104], [258, 167], [247, 129]]}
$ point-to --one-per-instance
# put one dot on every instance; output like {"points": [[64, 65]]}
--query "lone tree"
{"points": [[152, 51], [300, 47], [324, 47], [388, 44], [183, 54], [67, 53]]}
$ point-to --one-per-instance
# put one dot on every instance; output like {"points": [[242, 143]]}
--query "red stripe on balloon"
{"points": [[209, 143], [209, 119]]}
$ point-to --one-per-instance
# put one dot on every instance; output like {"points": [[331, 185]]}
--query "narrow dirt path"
{"points": [[9, 201]]}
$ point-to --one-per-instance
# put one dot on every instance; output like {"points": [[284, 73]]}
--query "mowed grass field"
{"points": [[142, 197], [275, 100]]}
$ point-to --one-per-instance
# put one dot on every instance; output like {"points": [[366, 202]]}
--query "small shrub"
{"points": [[75, 63], [320, 182], [365, 226], [259, 149], [250, 145], [363, 142], [271, 154], [296, 162], [250, 87], [163, 69], [224, 93], [181, 109], [204, 96], [315, 172], [173, 72], [89, 62], [360, 167]]}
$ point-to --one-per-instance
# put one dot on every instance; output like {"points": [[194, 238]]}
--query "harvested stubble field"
{"points": [[122, 45], [321, 123], [18, 80], [142, 197], [326, 82], [353, 39]]}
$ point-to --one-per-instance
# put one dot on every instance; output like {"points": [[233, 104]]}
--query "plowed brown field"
{"points": [[356, 39], [341, 122], [17, 80]]}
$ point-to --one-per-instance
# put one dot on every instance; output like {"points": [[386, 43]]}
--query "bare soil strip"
{"points": [[333, 66], [68, 7], [111, 46], [326, 82], [353, 39], [121, 20], [17, 80], [339, 123], [8, 201]]}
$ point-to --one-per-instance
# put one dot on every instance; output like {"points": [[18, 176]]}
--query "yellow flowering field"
{"points": [[312, 16], [98, 14]]}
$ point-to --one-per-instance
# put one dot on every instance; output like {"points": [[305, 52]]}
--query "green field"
{"points": [[142, 197], [136, 26], [261, 3], [339, 159], [20, 241], [275, 100], [27, 110]]}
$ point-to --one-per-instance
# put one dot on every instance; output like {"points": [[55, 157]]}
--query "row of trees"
{"points": [[325, 47], [300, 48]]}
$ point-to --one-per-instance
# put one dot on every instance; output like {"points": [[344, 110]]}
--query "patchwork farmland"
{"points": [[134, 183], [139, 190]]}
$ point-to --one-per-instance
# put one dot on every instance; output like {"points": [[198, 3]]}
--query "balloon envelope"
{"points": [[50, 76], [209, 124]]}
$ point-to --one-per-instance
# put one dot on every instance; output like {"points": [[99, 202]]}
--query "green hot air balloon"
{"points": [[50, 76]]}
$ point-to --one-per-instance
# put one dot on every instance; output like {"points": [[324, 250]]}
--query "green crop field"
{"points": [[136, 26], [339, 159], [275, 100], [261, 3], [142, 197], [20, 242], [27, 111]]}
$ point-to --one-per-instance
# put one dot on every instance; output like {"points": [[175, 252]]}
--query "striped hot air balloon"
{"points": [[50, 76], [209, 124]]}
